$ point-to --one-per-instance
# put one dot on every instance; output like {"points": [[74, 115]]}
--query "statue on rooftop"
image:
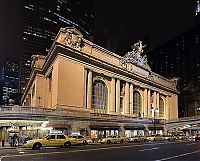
{"points": [[135, 56]]}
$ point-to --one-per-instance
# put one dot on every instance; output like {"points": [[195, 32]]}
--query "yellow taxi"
{"points": [[156, 137], [169, 137], [55, 140], [112, 139], [138, 139]]}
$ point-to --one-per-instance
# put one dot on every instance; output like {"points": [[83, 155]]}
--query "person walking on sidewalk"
{"points": [[14, 140]]}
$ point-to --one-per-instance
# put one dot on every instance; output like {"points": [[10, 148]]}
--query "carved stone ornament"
{"points": [[175, 81], [150, 77], [73, 38], [98, 77], [135, 57]]}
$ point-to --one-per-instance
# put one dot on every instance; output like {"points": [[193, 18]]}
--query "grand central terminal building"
{"points": [[100, 92]]}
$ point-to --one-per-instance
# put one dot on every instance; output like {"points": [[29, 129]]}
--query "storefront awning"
{"points": [[134, 127], [63, 126], [106, 127], [157, 128]]}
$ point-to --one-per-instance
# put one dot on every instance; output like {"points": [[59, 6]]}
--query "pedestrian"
{"points": [[14, 139]]}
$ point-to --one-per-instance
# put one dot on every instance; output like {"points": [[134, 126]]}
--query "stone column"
{"points": [[146, 130], [154, 100], [127, 97], [85, 87], [88, 131], [145, 106], [131, 99], [149, 103], [112, 96], [158, 104], [166, 108], [31, 99], [89, 90], [122, 131], [118, 96]]}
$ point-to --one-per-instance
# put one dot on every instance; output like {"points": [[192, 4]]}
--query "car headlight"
{"points": [[28, 142]]}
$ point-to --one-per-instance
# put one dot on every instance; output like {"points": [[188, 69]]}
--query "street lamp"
{"points": [[154, 111]]}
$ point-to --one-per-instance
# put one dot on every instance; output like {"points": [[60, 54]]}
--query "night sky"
{"points": [[10, 27], [120, 23], [117, 23]]}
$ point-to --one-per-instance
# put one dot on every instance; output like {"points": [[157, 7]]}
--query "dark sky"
{"points": [[124, 22], [10, 27], [117, 23]]}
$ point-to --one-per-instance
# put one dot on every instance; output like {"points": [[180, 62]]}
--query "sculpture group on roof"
{"points": [[135, 56]]}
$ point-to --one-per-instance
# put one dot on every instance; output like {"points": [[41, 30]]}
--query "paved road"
{"points": [[160, 151]]}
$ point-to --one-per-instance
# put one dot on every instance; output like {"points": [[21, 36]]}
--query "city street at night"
{"points": [[91, 80], [153, 151]]}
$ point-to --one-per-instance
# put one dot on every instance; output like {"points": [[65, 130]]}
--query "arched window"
{"points": [[99, 96], [137, 105], [161, 107]]}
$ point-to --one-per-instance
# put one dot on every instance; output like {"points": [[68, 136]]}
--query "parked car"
{"points": [[113, 139], [181, 137], [196, 137], [169, 137], [156, 137], [55, 140], [138, 139], [89, 140]]}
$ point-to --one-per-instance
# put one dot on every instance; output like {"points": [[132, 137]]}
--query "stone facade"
{"points": [[75, 69]]}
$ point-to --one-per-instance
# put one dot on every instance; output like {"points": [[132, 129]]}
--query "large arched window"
{"points": [[137, 105], [161, 107], [99, 96]]}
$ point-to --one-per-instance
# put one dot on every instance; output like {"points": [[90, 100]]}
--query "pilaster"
{"points": [[112, 96], [145, 106], [89, 90], [149, 102], [118, 96], [127, 97], [131, 99]]}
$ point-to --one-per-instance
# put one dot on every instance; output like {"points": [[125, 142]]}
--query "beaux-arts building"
{"points": [[104, 93]]}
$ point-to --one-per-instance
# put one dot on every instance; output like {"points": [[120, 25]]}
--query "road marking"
{"points": [[149, 149], [20, 150], [2, 157], [83, 150], [177, 156]]}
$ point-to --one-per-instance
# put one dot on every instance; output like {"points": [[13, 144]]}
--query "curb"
{"points": [[10, 147]]}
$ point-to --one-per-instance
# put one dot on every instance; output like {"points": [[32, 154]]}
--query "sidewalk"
{"points": [[7, 146]]}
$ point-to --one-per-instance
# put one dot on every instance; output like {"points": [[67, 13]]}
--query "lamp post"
{"points": [[156, 110]]}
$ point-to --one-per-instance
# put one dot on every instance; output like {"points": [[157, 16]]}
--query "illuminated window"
{"points": [[137, 104], [99, 96], [121, 104], [58, 8], [197, 7], [161, 107]]}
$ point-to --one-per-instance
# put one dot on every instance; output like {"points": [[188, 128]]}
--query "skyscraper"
{"points": [[180, 58], [9, 80], [42, 21], [197, 12]]}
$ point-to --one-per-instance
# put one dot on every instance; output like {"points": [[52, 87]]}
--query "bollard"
{"points": [[3, 143]]}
